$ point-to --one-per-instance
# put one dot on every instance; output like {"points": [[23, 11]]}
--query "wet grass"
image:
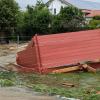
{"points": [[85, 85]]}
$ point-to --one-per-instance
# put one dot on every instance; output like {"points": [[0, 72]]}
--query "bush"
{"points": [[6, 82]]}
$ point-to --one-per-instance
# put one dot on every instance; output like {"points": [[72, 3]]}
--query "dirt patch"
{"points": [[11, 48], [5, 60], [6, 49], [8, 53]]}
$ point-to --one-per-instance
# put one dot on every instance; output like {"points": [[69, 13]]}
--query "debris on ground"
{"points": [[65, 70], [68, 84], [98, 92], [12, 67], [86, 67], [77, 67]]}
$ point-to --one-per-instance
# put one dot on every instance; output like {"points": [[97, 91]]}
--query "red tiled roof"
{"points": [[91, 13]]}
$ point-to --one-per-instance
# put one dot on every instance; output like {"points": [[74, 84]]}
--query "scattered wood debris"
{"points": [[64, 70], [87, 68], [68, 84], [98, 92], [83, 66]]}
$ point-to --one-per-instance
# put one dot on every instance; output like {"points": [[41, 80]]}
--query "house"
{"points": [[91, 9], [55, 5], [89, 14], [46, 53]]}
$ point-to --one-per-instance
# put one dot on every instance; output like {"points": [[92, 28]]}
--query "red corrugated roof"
{"points": [[49, 51], [69, 48]]}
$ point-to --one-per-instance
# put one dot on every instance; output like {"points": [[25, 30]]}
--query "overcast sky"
{"points": [[24, 3], [93, 0]]}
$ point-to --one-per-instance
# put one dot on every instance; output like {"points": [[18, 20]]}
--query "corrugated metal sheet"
{"points": [[56, 50]]}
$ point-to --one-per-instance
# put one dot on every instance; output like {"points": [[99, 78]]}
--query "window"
{"points": [[54, 10]]}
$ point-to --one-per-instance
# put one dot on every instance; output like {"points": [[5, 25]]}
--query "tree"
{"points": [[8, 16], [69, 19], [56, 24], [93, 24], [96, 17], [37, 19]]}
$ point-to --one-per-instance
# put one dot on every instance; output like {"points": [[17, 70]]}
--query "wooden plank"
{"points": [[66, 69], [89, 68]]}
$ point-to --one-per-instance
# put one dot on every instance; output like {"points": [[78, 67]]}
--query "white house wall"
{"points": [[56, 4]]}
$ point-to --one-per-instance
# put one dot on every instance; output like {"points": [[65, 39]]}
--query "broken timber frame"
{"points": [[80, 66]]}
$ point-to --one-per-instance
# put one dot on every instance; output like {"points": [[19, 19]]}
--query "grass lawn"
{"points": [[84, 85]]}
